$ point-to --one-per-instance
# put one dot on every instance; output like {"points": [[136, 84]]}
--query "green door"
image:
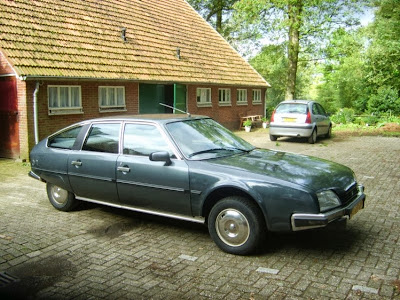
{"points": [[150, 95], [179, 98]]}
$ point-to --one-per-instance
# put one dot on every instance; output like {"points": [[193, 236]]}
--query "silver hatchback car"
{"points": [[300, 118]]}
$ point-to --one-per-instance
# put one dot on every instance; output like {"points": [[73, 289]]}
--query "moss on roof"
{"points": [[82, 39]]}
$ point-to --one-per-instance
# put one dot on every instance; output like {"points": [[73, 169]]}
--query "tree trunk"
{"points": [[294, 12]]}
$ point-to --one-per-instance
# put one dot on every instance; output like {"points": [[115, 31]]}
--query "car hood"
{"points": [[310, 172]]}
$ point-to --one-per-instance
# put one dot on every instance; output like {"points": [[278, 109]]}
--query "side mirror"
{"points": [[161, 156]]}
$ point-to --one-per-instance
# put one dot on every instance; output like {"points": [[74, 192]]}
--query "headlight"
{"points": [[327, 200]]}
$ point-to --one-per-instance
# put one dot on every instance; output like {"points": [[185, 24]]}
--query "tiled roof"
{"points": [[82, 39]]}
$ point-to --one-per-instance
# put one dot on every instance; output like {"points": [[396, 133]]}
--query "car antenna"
{"points": [[174, 108]]}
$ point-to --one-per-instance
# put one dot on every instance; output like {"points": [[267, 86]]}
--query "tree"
{"points": [[215, 12], [383, 56], [305, 23], [343, 72], [271, 63]]}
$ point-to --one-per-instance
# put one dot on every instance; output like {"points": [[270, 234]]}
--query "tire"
{"points": [[61, 199], [236, 225], [329, 133], [273, 138], [313, 138]]}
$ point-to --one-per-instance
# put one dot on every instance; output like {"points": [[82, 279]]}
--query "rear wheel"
{"points": [[61, 199], [313, 138], [236, 225], [273, 138], [329, 133]]}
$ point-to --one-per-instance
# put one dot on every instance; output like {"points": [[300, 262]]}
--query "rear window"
{"points": [[292, 108], [65, 139]]}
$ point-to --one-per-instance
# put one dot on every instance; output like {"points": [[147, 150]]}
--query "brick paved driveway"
{"points": [[103, 253]]}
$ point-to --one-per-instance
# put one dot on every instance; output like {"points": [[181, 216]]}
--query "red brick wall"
{"points": [[226, 115], [90, 103]]}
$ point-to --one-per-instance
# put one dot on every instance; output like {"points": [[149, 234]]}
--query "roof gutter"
{"points": [[35, 112]]}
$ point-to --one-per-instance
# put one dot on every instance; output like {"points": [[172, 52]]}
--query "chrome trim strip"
{"points": [[198, 219], [92, 177], [153, 186]]}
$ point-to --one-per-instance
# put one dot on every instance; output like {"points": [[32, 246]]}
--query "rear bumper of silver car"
{"points": [[302, 221], [291, 130]]}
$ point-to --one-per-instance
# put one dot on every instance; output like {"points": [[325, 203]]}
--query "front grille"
{"points": [[350, 194]]}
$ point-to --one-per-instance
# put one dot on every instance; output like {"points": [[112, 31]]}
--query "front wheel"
{"points": [[236, 225], [61, 199]]}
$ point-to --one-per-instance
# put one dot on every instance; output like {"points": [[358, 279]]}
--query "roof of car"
{"points": [[296, 101], [158, 118]]}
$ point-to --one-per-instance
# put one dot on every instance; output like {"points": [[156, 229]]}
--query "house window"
{"points": [[203, 96], [241, 97], [257, 96], [224, 97], [64, 99], [111, 98]]}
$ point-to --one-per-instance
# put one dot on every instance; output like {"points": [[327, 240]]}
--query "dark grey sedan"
{"points": [[192, 168]]}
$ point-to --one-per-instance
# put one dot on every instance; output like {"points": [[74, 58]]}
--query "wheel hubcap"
{"points": [[59, 195], [232, 227]]}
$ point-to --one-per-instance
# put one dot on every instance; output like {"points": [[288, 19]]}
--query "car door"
{"points": [[91, 170], [151, 185], [321, 119]]}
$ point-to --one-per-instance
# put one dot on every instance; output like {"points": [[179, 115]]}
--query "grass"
{"points": [[387, 129]]}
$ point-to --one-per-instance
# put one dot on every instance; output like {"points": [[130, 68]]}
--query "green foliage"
{"points": [[343, 116], [385, 100], [217, 13], [247, 123], [383, 56], [271, 63], [343, 72]]}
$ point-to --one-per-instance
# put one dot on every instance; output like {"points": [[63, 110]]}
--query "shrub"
{"points": [[343, 116], [384, 101]]}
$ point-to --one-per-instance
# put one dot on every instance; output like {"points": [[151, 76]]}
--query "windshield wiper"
{"points": [[210, 150]]}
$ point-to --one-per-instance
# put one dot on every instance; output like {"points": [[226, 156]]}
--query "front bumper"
{"points": [[301, 221]]}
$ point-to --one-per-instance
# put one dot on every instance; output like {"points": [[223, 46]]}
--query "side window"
{"points": [[315, 110], [321, 110], [65, 139], [143, 139], [103, 138]]}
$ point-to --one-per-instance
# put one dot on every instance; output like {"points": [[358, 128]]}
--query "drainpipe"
{"points": [[35, 113]]}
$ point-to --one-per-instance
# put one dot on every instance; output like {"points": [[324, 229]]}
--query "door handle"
{"points": [[124, 169], [76, 163]]}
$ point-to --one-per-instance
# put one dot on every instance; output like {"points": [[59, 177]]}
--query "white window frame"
{"points": [[224, 97], [257, 96], [203, 97], [64, 106], [241, 97], [111, 106]]}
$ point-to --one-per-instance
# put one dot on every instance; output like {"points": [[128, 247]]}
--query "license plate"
{"points": [[359, 206], [291, 120]]}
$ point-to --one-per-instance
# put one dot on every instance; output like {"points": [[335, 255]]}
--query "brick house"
{"points": [[65, 61]]}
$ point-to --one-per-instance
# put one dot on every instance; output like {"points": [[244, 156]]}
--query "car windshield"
{"points": [[205, 138], [292, 108]]}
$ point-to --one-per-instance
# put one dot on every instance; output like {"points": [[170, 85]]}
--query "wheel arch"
{"points": [[227, 191]]}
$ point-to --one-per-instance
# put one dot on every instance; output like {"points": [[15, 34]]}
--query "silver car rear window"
{"points": [[292, 108]]}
